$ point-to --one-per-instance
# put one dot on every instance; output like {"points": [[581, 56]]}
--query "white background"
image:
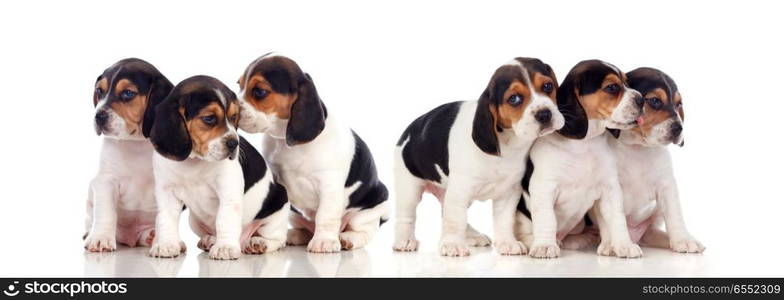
{"points": [[379, 66]]}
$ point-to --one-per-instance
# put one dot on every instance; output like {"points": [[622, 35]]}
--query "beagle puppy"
{"points": [[233, 202], [328, 170], [650, 193], [120, 203], [574, 171], [474, 150]]}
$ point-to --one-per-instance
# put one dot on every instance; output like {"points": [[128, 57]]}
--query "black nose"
{"points": [[639, 100], [101, 117], [543, 116], [232, 144], [676, 129]]}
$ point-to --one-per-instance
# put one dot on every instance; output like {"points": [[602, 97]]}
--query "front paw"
{"points": [[324, 245], [206, 242], [510, 247], [260, 245], [454, 249], [623, 250], [224, 251], [100, 243], [544, 250], [406, 245], [479, 240], [167, 249], [686, 245]]}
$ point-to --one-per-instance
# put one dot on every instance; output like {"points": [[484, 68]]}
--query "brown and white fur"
{"points": [[574, 171], [120, 203], [645, 170]]}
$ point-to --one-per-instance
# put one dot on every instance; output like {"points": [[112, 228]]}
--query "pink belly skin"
{"points": [[636, 231], [131, 225]]}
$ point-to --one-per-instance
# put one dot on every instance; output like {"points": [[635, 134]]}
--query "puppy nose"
{"points": [[676, 129], [543, 116], [639, 100], [232, 144], [101, 117]]}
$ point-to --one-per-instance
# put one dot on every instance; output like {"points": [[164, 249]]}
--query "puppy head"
{"points": [[125, 97], [596, 90], [278, 98], [661, 122], [520, 97], [198, 119]]}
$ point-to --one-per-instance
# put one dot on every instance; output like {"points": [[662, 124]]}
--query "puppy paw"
{"points": [[544, 250], [510, 247], [478, 240], [454, 249], [224, 251], [206, 242], [627, 250], [406, 245], [298, 237], [352, 240], [260, 245], [580, 241], [167, 249], [100, 243], [147, 237], [324, 245], [686, 245]]}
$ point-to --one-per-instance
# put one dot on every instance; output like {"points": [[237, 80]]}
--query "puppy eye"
{"points": [[515, 100], [127, 94], [547, 87], [260, 93], [99, 91], [209, 120], [612, 88], [655, 103], [233, 118], [678, 105]]}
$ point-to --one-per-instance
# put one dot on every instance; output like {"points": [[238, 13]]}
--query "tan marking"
{"points": [[201, 133], [678, 100], [274, 103], [508, 114], [233, 112], [131, 111], [540, 79], [104, 85], [600, 104], [651, 116]]}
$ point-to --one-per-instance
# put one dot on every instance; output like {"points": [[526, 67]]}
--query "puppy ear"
{"points": [[159, 89], [614, 132], [576, 121], [168, 134], [484, 131], [308, 115]]}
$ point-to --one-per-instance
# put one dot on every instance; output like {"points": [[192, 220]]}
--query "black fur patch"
{"points": [[584, 78], [372, 191], [253, 165], [428, 141], [276, 199]]}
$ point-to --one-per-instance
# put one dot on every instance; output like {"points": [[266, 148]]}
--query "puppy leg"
{"points": [[271, 236], [524, 230], [544, 222], [680, 238], [206, 239], [228, 221], [146, 237], [301, 231], [362, 226], [102, 234], [503, 226], [408, 193], [167, 242], [329, 215], [454, 222], [610, 209]]}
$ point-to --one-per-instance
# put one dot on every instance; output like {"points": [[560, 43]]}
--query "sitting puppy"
{"points": [[474, 150], [120, 203], [231, 202], [574, 171], [328, 170], [645, 168]]}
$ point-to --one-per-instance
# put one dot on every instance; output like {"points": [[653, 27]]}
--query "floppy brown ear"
{"points": [[308, 114], [168, 134], [576, 121], [484, 131], [159, 89]]}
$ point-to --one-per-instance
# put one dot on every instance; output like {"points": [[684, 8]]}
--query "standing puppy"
{"points": [[232, 202], [327, 169], [645, 168], [475, 150], [120, 203], [575, 170]]}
